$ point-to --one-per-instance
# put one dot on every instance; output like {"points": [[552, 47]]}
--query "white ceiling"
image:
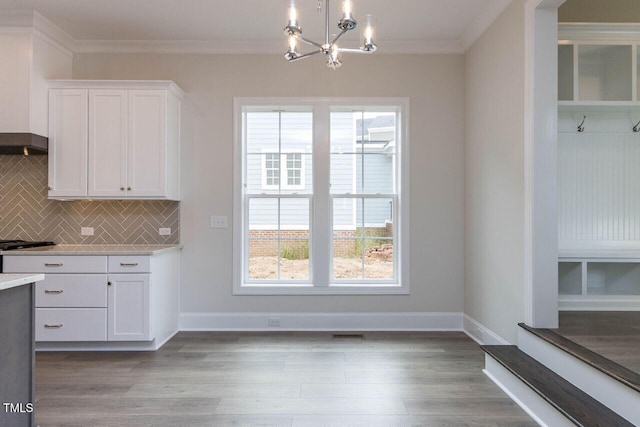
{"points": [[403, 25]]}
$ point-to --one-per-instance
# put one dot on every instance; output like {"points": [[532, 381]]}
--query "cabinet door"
{"points": [[147, 163], [107, 143], [128, 307], [68, 142]]}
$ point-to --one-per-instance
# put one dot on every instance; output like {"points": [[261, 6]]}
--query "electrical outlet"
{"points": [[86, 231], [218, 222], [164, 231], [274, 321]]}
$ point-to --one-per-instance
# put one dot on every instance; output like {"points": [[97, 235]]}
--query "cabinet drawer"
{"points": [[54, 264], [129, 264], [72, 290], [71, 324]]}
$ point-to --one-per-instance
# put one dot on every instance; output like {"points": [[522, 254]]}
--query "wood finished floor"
{"points": [[288, 379], [613, 334]]}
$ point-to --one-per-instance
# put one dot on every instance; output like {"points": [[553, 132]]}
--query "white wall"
{"points": [[494, 175], [435, 86]]}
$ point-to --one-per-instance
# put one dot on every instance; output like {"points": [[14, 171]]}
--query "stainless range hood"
{"points": [[23, 144]]}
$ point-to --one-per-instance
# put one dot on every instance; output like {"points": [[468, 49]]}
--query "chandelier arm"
{"points": [[306, 55], [310, 42], [338, 36], [348, 50]]}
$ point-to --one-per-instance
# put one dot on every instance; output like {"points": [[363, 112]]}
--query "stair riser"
{"points": [[610, 392], [537, 408]]}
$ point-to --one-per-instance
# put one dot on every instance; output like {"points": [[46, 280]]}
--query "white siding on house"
{"points": [[343, 164], [377, 178]]}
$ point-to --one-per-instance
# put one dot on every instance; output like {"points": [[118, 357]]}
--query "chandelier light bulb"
{"points": [[367, 43], [293, 15], [292, 53], [347, 8], [292, 24]]}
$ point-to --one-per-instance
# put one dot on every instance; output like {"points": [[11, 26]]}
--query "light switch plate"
{"points": [[86, 231], [218, 222], [164, 231]]}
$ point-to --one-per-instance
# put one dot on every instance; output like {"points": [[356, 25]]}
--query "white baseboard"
{"points": [[321, 321], [599, 303], [480, 333]]}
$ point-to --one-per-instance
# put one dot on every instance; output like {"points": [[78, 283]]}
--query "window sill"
{"points": [[316, 290]]}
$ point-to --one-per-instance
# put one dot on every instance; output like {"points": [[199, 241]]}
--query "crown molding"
{"points": [[598, 32], [38, 24], [246, 47], [31, 22]]}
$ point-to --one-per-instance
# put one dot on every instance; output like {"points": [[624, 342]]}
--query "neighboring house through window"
{"points": [[320, 194], [283, 170]]}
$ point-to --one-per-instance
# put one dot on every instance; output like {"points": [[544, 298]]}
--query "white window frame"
{"points": [[321, 202]]}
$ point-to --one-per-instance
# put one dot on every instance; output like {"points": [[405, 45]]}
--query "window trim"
{"points": [[320, 211]]}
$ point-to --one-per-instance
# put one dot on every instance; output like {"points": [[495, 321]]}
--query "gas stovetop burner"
{"points": [[6, 245]]}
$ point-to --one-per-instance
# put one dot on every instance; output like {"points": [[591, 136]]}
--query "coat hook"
{"points": [[636, 128], [581, 127]]}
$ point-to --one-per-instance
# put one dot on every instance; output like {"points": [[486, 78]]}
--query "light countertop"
{"points": [[8, 281], [95, 250]]}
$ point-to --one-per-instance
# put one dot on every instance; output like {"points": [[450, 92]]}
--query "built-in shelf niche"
{"points": [[595, 277]]}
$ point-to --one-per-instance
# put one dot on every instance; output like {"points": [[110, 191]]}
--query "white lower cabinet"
{"points": [[128, 307], [71, 324], [103, 298]]}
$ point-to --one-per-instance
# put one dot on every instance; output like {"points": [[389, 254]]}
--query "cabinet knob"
{"points": [[108, 283], [49, 187], [129, 188], [121, 188]]}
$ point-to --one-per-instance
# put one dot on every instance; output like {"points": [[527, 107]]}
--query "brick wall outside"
{"points": [[265, 242]]}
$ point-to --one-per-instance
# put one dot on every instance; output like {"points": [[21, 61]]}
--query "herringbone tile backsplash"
{"points": [[26, 213]]}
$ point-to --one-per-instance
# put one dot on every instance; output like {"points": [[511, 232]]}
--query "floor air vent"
{"points": [[347, 336]]}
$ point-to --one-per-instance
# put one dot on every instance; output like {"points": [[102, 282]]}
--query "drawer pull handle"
{"points": [[130, 264], [51, 264], [58, 291], [58, 326]]}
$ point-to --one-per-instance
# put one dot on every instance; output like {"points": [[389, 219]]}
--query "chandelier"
{"points": [[329, 48]]}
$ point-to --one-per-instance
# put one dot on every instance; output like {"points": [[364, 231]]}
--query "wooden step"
{"points": [[597, 361], [573, 403]]}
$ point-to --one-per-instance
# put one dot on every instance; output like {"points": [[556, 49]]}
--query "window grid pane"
{"points": [[278, 239], [363, 247]]}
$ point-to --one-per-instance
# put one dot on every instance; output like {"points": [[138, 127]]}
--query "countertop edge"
{"points": [[8, 281], [70, 250]]}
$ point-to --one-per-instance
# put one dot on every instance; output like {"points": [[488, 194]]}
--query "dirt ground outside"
{"points": [[264, 267]]}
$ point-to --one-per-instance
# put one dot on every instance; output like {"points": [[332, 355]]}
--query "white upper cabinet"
{"points": [[598, 65], [68, 158], [147, 148], [132, 140], [107, 165]]}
